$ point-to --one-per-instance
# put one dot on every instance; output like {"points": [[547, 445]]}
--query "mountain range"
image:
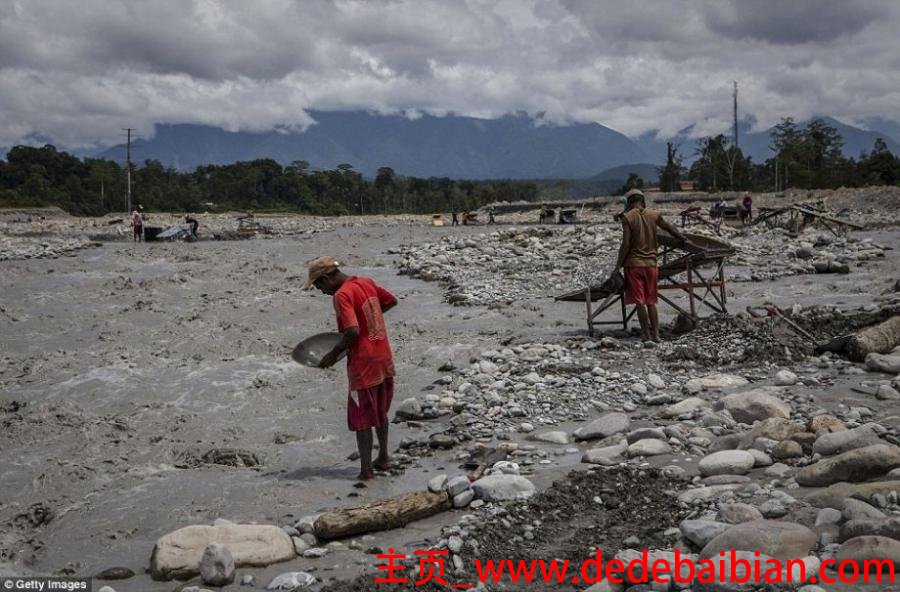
{"points": [[515, 146]]}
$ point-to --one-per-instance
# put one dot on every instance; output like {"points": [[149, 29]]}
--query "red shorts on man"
{"points": [[368, 408], [640, 285]]}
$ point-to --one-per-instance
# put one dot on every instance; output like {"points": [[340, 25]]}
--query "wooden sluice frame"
{"points": [[683, 272]]}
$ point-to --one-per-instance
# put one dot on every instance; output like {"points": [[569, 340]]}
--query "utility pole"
{"points": [[735, 116], [128, 131]]}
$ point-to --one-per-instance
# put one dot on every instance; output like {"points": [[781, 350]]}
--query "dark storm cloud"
{"points": [[794, 21], [79, 71]]}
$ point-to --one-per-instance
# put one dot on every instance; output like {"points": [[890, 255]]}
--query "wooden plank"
{"points": [[386, 514]]}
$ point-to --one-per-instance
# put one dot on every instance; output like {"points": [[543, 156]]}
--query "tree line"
{"points": [[45, 176], [808, 157]]}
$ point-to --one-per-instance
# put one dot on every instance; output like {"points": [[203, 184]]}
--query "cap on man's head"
{"points": [[634, 196], [318, 267]]}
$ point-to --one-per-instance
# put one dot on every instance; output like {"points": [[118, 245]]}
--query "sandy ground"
{"points": [[123, 363]]}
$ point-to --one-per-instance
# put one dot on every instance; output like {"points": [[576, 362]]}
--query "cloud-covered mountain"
{"points": [[514, 146]]}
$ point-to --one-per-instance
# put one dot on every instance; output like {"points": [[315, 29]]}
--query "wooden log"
{"points": [[393, 512], [879, 339]]}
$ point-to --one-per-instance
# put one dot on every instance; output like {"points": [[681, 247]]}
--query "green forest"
{"points": [[806, 157], [49, 177]]}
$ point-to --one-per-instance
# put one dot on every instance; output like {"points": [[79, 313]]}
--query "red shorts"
{"points": [[640, 285], [368, 408]]}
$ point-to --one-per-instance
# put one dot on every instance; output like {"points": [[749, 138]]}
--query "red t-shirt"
{"points": [[359, 303]]}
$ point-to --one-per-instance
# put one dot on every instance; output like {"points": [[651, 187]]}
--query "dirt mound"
{"points": [[725, 341]]}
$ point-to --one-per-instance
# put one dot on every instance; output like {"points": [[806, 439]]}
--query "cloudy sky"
{"points": [[77, 71]]}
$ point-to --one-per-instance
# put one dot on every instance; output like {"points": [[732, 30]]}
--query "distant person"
{"points": [[543, 213], [748, 206], [637, 255], [137, 224], [455, 221], [491, 219], [465, 217], [360, 305], [194, 224]]}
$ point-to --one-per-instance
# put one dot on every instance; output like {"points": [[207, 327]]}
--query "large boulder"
{"points": [[756, 405], [727, 462], [862, 550], [178, 553], [781, 540], [499, 487], [860, 464], [834, 495], [844, 440], [889, 528], [603, 427]]}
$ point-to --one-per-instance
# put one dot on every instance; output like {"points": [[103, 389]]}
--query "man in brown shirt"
{"points": [[637, 255]]}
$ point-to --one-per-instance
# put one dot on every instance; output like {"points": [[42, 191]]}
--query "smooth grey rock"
{"points": [[603, 427], [727, 462], [554, 437], [773, 509], [499, 487], [860, 550], [463, 499], [756, 405], [886, 527], [855, 509], [409, 408], [785, 378], [886, 392], [217, 565], [688, 405], [607, 455], [828, 516], [889, 364], [644, 433], [841, 441], [787, 449], [781, 540], [649, 447], [760, 458], [437, 484], [738, 513], [834, 495], [700, 532], [860, 464], [457, 485]]}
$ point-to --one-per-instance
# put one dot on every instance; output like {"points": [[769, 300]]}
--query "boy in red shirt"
{"points": [[360, 303]]}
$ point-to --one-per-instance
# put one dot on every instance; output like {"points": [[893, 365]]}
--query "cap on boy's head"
{"points": [[318, 267]]}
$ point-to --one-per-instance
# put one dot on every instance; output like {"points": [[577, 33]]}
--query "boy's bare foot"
{"points": [[383, 464], [365, 475]]}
